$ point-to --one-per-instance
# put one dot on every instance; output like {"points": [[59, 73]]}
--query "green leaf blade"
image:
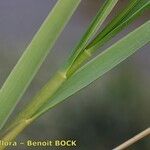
{"points": [[31, 60], [134, 9], [100, 65]]}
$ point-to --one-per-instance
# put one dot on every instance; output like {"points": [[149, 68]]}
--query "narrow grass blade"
{"points": [[90, 33], [100, 65], [31, 60], [133, 10]]}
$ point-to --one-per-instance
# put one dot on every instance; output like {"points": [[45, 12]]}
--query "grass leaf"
{"points": [[34, 55], [100, 65], [133, 10]]}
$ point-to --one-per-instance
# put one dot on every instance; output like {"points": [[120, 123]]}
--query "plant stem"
{"points": [[12, 134], [29, 113], [43, 95], [26, 117], [133, 140]]}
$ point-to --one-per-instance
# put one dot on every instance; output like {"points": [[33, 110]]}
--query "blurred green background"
{"points": [[101, 116]]}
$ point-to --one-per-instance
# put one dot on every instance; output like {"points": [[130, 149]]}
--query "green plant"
{"points": [[80, 66]]}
